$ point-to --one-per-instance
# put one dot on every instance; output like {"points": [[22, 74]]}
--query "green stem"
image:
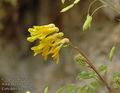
{"points": [[91, 5], [97, 9], [91, 66]]}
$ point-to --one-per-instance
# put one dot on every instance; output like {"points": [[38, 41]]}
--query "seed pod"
{"points": [[112, 52], [87, 23]]}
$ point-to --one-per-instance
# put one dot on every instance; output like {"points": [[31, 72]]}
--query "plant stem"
{"points": [[97, 9], [91, 5], [91, 66]]}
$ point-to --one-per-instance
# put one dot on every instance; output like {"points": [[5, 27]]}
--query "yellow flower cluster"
{"points": [[50, 40]]}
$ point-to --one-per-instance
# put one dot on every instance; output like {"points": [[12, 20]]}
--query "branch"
{"points": [[91, 66]]}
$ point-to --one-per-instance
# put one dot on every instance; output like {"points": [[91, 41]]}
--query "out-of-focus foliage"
{"points": [[71, 88], [111, 4], [9, 17], [116, 80], [3, 12], [102, 68], [90, 88], [12, 2]]}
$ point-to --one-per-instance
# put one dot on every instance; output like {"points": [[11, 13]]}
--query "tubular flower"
{"points": [[50, 41]]}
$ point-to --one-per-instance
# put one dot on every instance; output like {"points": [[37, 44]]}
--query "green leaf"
{"points": [[79, 59], [102, 68], [87, 23], [90, 88], [112, 53], [60, 90], [84, 89], [116, 80], [86, 75], [67, 8], [76, 1], [95, 84], [46, 90], [71, 88]]}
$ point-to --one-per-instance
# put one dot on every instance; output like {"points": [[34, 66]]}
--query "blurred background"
{"points": [[17, 63]]}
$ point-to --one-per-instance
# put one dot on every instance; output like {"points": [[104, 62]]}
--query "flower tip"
{"points": [[51, 25], [35, 54], [65, 40], [30, 29], [57, 29], [30, 39], [61, 33]]}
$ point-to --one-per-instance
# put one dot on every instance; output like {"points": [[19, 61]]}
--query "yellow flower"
{"points": [[50, 41]]}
